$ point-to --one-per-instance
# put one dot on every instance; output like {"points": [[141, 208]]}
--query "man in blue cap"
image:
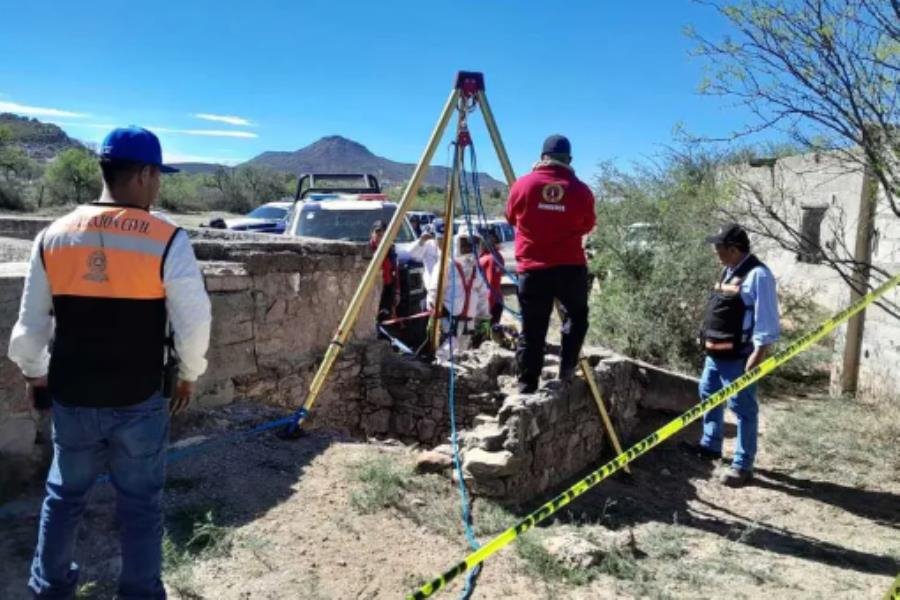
{"points": [[103, 282]]}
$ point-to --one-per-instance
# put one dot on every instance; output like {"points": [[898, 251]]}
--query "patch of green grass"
{"points": [[665, 542], [384, 483], [542, 565], [490, 518], [192, 534]]}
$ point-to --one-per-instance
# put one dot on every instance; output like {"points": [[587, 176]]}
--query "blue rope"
{"points": [[471, 578], [464, 196], [177, 454]]}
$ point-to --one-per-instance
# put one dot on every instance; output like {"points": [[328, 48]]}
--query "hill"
{"points": [[336, 154], [41, 141]]}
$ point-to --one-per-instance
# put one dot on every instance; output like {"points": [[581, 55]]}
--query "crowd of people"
{"points": [[112, 289]]}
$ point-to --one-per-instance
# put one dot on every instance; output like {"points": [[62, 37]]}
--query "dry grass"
{"points": [[851, 440]]}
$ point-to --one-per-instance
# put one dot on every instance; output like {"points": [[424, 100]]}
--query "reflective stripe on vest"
{"points": [[107, 252]]}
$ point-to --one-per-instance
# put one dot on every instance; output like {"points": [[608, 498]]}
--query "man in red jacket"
{"points": [[491, 262], [552, 211]]}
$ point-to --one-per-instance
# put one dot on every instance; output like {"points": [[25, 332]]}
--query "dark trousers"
{"points": [[537, 291], [496, 313], [386, 302]]}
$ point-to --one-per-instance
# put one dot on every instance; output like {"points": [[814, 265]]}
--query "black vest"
{"points": [[723, 334]]}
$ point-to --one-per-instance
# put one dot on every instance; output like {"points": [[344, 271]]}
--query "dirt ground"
{"points": [[326, 517]]}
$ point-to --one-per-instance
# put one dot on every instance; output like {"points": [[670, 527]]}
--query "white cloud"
{"points": [[206, 132], [229, 119], [38, 111], [177, 157], [106, 126]]}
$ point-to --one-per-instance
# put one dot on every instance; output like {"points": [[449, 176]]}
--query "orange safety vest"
{"points": [[104, 265]]}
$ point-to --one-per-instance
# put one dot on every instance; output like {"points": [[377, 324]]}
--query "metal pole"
{"points": [[510, 179], [452, 190], [365, 286], [495, 138]]}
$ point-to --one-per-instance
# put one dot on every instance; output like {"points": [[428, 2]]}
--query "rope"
{"points": [[472, 577], [464, 197]]}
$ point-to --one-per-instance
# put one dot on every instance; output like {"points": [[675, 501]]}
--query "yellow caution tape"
{"points": [[651, 441], [894, 592]]}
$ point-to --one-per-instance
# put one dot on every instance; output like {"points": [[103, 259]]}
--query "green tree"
{"points": [[180, 192], [648, 254], [17, 170], [74, 176], [822, 72]]}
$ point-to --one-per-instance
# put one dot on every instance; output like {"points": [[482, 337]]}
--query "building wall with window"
{"points": [[820, 197]]}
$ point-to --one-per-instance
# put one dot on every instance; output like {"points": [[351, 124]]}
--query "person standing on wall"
{"points": [[740, 325], [102, 283], [552, 211]]}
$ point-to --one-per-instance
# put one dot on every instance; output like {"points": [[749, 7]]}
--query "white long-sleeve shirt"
{"points": [[455, 291], [187, 305], [426, 252]]}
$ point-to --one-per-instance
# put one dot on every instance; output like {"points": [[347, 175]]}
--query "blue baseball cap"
{"points": [[135, 144]]}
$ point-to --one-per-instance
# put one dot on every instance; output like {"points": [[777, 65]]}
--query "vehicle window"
{"points": [[509, 234], [347, 225], [267, 212]]}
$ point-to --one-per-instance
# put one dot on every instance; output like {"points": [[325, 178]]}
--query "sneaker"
{"points": [[700, 451], [735, 478]]}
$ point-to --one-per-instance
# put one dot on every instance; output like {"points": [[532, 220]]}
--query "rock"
{"points": [[488, 436], [377, 422], [431, 461], [621, 541], [215, 396], [17, 435], [445, 449], [483, 420], [481, 463], [572, 551], [426, 428]]}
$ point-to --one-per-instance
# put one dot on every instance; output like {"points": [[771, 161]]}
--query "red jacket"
{"points": [[493, 271], [388, 266], [551, 210]]}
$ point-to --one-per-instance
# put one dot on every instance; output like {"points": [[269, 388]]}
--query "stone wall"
{"points": [[276, 304], [537, 442]]}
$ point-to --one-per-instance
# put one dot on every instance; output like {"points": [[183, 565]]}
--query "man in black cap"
{"points": [[739, 326], [552, 211]]}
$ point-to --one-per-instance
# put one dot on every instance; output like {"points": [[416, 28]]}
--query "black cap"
{"points": [[378, 225], [557, 144], [730, 234]]}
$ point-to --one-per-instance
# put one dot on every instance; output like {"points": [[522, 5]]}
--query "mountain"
{"points": [[41, 141], [192, 168], [336, 154]]}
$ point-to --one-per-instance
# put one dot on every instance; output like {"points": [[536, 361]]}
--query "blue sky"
{"points": [[616, 77]]}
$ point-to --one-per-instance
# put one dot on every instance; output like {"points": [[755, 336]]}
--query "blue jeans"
{"points": [[131, 443], [718, 373]]}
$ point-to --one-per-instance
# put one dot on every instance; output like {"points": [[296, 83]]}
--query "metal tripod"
{"points": [[467, 93]]}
